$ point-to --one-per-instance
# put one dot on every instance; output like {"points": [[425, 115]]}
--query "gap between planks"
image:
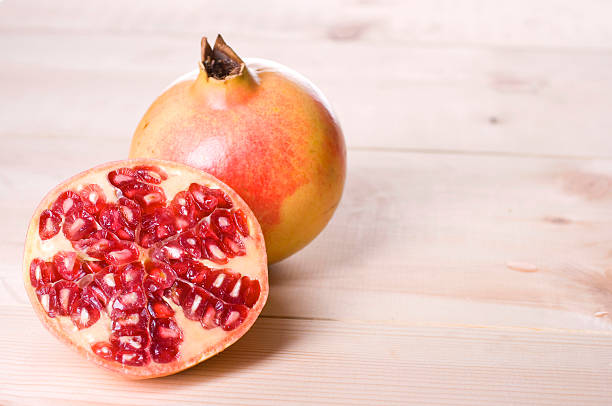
{"points": [[417, 325], [390, 150], [329, 362]]}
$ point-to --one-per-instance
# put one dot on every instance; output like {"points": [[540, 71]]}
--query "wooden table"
{"points": [[470, 262]]}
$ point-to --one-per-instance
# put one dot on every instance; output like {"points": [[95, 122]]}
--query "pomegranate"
{"points": [[261, 128], [145, 267]]}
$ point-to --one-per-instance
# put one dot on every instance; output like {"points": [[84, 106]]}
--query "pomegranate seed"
{"points": [[195, 302], [163, 354], [132, 358], [68, 266], [66, 202], [122, 177], [104, 350], [161, 274], [93, 266], [241, 222], [179, 291], [99, 248], [205, 201], [232, 316], [182, 267], [42, 272], [129, 339], [130, 276], [224, 202], [152, 290], [130, 211], [151, 174], [113, 218], [249, 291], [97, 245], [158, 254], [166, 331], [170, 252], [191, 244], [136, 320], [233, 245], [106, 281], [231, 287], [164, 224], [78, 225], [93, 198], [184, 210], [127, 302], [84, 314], [220, 309], [202, 230], [49, 224], [198, 273], [160, 309], [122, 252], [94, 295], [85, 280], [194, 271], [149, 197], [220, 281], [48, 299], [209, 319], [37, 267], [214, 252], [156, 227], [66, 292], [110, 218], [222, 222], [52, 273]]}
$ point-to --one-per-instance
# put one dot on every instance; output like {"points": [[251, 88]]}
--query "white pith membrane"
{"points": [[221, 309]]}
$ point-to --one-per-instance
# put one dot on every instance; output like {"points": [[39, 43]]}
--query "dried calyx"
{"points": [[220, 62]]}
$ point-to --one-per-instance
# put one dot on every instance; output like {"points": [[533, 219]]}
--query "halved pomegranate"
{"points": [[145, 267]]}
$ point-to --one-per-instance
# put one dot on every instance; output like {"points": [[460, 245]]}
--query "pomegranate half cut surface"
{"points": [[146, 267]]}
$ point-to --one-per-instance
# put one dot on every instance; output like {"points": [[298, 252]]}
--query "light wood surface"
{"points": [[470, 262]]}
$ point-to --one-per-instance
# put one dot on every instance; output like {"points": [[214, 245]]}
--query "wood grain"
{"points": [[563, 24], [470, 260], [418, 237], [329, 362], [450, 89]]}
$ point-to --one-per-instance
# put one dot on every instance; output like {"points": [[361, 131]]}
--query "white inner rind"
{"points": [[196, 339]]}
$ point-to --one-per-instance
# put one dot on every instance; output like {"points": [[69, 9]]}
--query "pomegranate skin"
{"points": [[268, 133]]}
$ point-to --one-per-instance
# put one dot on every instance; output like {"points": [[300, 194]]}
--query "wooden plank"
{"points": [[435, 238], [522, 23], [410, 98], [427, 238], [328, 362], [469, 261]]}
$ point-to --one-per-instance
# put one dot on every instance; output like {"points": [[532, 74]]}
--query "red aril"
{"points": [[145, 267], [93, 198], [49, 224], [84, 313]]}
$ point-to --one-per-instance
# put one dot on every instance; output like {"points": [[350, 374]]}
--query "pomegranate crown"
{"points": [[220, 62]]}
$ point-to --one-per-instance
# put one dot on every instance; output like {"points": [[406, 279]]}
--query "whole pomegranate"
{"points": [[261, 128], [145, 267]]}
